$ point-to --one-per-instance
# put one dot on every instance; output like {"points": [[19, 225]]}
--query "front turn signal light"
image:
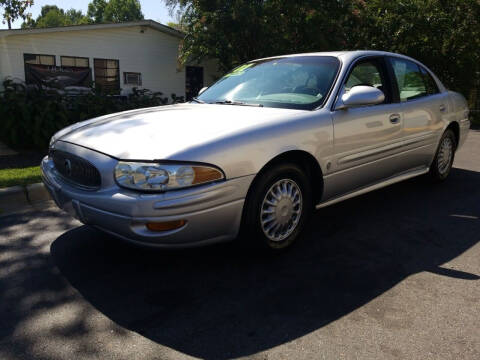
{"points": [[165, 225]]}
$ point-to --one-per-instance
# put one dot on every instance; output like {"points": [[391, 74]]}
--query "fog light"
{"points": [[165, 226]]}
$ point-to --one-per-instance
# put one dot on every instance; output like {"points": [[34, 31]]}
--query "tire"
{"points": [[443, 161], [287, 212]]}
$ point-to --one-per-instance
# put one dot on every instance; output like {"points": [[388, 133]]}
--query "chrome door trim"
{"points": [[374, 161], [379, 185], [367, 153], [420, 138]]}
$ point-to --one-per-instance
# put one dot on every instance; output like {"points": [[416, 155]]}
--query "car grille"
{"points": [[76, 170]]}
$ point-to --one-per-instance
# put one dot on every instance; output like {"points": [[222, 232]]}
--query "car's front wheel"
{"points": [[277, 207]]}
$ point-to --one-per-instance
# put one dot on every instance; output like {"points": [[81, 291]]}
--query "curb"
{"points": [[18, 198]]}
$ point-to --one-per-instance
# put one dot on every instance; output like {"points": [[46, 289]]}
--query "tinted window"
{"points": [[430, 84], [410, 80], [300, 82], [368, 73]]}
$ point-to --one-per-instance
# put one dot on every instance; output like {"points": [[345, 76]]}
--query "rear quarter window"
{"points": [[430, 83]]}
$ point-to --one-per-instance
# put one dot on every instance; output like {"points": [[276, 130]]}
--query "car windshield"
{"points": [[300, 82]]}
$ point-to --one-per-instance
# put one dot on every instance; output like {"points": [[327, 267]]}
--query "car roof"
{"points": [[344, 55], [349, 56]]}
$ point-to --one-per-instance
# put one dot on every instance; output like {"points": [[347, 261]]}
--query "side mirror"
{"points": [[361, 95], [202, 90]]}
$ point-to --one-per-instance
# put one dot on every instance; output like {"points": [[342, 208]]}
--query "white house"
{"points": [[118, 57]]}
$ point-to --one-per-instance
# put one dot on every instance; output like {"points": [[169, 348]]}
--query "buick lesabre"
{"points": [[258, 151]]}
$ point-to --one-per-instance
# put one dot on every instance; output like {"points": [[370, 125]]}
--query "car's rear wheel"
{"points": [[277, 207], [443, 161]]}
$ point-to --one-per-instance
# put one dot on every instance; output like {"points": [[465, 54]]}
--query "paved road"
{"points": [[392, 274]]}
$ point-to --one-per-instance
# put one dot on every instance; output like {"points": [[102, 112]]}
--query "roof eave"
{"points": [[150, 23]]}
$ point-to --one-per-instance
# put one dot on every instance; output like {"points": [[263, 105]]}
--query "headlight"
{"points": [[162, 177]]}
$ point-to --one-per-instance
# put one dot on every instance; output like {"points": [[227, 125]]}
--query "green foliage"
{"points": [[445, 35], [21, 176], [101, 11], [30, 116], [14, 9], [96, 9], [235, 31], [53, 16]]}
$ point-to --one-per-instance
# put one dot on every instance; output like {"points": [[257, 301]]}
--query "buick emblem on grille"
{"points": [[68, 167]]}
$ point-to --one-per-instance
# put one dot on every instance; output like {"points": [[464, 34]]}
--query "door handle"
{"points": [[395, 118], [442, 108]]}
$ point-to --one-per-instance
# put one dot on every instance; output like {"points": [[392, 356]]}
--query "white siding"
{"points": [[151, 53]]}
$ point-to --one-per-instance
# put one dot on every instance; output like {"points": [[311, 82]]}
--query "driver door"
{"points": [[367, 139]]}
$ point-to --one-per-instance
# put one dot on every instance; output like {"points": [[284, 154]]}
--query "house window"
{"points": [[73, 61], [34, 59], [107, 75], [132, 78]]}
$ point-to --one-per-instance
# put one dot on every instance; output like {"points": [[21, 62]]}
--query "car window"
{"points": [[430, 84], [367, 73], [300, 82], [410, 80]]}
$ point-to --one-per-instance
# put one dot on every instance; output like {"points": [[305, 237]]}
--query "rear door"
{"points": [[423, 107], [367, 139]]}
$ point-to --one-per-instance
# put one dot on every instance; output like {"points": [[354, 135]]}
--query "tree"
{"points": [[445, 35], [176, 26], [101, 11], [234, 31], [53, 16], [96, 9], [76, 17], [14, 9]]}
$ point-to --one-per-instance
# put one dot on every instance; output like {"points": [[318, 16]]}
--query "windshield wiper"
{"points": [[198, 100], [230, 102]]}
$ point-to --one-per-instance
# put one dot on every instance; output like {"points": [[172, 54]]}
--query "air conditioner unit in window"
{"points": [[133, 79]]}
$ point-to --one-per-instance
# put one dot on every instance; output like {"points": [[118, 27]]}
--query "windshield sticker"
{"points": [[239, 70]]}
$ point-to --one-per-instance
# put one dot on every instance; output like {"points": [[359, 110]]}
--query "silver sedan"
{"points": [[259, 150]]}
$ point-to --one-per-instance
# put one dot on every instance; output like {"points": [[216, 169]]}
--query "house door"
{"points": [[194, 81]]}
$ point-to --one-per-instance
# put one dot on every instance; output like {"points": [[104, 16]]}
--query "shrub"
{"points": [[29, 116]]}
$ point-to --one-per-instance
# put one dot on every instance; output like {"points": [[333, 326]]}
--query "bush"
{"points": [[29, 116]]}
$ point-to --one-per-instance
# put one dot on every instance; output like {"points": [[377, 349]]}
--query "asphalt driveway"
{"points": [[391, 274]]}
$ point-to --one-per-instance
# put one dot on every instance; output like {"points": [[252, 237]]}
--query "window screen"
{"points": [[48, 60], [107, 75], [73, 61]]}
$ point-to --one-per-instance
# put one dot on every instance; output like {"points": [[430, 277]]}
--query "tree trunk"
{"points": [[9, 24]]}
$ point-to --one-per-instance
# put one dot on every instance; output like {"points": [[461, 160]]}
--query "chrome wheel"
{"points": [[445, 155], [281, 210]]}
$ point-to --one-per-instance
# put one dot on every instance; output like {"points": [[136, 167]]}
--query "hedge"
{"points": [[29, 116]]}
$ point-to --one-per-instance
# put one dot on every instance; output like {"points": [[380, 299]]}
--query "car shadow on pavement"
{"points": [[224, 301]]}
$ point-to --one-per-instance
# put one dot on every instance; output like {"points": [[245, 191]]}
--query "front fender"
{"points": [[246, 153]]}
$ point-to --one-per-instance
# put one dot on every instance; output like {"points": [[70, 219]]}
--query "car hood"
{"points": [[165, 132]]}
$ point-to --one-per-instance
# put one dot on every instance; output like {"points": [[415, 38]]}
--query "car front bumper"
{"points": [[212, 212]]}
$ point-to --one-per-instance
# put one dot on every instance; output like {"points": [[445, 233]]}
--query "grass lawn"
{"points": [[24, 176]]}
